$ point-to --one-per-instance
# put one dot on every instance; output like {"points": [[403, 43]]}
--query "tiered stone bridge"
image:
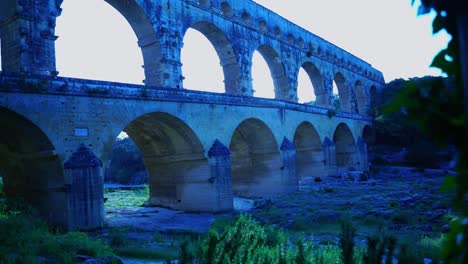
{"points": [[199, 148]]}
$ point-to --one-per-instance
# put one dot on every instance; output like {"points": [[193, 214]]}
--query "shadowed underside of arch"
{"points": [[30, 168], [361, 98], [321, 95], [256, 160], [368, 135], [174, 157], [225, 53], [343, 92], [309, 153], [277, 70], [346, 150]]}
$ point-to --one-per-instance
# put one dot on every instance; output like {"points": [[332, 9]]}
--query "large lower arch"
{"points": [[225, 53], [256, 161], [343, 92], [346, 150], [277, 71], [31, 169], [321, 95], [309, 153], [178, 171]]}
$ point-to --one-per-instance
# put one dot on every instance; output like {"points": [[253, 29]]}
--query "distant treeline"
{"points": [[126, 165], [394, 131]]}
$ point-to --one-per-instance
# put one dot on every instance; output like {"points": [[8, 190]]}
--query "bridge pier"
{"points": [[330, 161], [363, 154], [28, 39], [86, 192], [196, 185], [289, 179]]}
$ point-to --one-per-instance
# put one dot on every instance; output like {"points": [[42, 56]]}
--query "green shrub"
{"points": [[245, 241], [348, 232], [25, 238]]}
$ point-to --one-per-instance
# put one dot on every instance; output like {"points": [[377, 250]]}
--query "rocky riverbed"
{"points": [[406, 202]]}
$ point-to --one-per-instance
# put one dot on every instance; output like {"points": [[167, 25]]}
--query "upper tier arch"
{"points": [[236, 29]]}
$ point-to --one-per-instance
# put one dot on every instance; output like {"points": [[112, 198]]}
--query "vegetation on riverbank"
{"points": [[25, 238]]}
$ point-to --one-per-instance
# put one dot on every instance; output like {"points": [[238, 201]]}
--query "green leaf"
{"points": [[423, 10], [449, 184], [438, 24], [439, 61]]}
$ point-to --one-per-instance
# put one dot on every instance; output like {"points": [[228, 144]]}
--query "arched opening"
{"points": [[226, 9], [125, 166], [343, 92], [361, 98], [346, 156], [261, 84], [31, 169], [174, 159], [255, 160], [86, 46], [205, 44], [309, 153], [305, 89], [310, 74], [204, 3]]}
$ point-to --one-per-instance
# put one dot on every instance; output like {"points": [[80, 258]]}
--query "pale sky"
{"points": [[95, 42]]}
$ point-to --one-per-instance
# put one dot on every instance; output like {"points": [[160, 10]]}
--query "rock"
{"points": [[445, 229], [427, 261], [426, 228], [112, 260], [326, 216], [289, 223], [83, 259]]}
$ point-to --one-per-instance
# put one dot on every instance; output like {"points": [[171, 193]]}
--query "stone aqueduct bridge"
{"points": [[199, 148]]}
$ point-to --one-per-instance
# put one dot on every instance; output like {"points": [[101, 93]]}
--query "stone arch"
{"points": [[175, 160], [226, 9], [277, 71], [147, 38], [309, 153], [255, 159], [30, 167], [204, 3], [316, 78], [361, 97], [225, 53], [343, 92], [346, 150]]}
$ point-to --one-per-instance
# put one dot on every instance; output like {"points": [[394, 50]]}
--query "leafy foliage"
{"points": [[393, 127], [24, 238], [439, 111], [246, 241], [126, 166]]}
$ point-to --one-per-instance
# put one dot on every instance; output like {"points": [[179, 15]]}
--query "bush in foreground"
{"points": [[24, 238]]}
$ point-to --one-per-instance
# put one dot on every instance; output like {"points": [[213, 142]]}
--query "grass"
{"points": [[137, 251], [25, 238], [117, 198]]}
